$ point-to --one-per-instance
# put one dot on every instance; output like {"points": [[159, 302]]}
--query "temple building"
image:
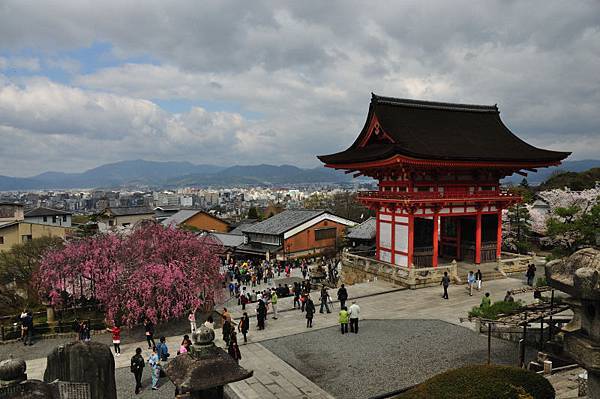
{"points": [[439, 167]]}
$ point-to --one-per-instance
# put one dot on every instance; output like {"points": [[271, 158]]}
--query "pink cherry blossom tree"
{"points": [[154, 272]]}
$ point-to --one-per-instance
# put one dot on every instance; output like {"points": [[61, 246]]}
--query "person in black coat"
{"points": [[342, 295], [310, 311], [244, 326], [149, 331], [261, 314]]}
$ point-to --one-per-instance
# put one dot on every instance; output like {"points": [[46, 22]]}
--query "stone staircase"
{"points": [[487, 275]]}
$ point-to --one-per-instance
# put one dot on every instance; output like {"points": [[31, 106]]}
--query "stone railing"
{"points": [[359, 269], [514, 263]]}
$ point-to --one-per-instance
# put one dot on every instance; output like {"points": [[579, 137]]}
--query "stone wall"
{"points": [[515, 263], [360, 269]]}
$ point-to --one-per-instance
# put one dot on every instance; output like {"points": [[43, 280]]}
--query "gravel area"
{"points": [[386, 355], [126, 385]]}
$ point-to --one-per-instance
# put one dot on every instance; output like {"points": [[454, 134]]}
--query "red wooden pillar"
{"points": [[434, 259], [458, 238], [411, 238], [378, 248], [478, 239], [392, 258], [499, 236]]}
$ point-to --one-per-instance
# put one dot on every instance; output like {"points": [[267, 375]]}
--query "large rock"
{"points": [[90, 362]]}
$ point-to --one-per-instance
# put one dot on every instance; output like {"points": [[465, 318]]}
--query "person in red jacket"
{"points": [[116, 339]]}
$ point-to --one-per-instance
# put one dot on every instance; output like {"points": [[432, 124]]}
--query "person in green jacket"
{"points": [[344, 318], [274, 303], [486, 301]]}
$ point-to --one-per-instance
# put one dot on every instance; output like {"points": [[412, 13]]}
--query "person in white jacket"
{"points": [[354, 312]]}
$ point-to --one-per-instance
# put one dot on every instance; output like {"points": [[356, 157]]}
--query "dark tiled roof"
{"points": [[239, 230], [364, 231], [41, 211], [282, 222], [440, 131], [229, 240], [133, 210], [258, 248]]}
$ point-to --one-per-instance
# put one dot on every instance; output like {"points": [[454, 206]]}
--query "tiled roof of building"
{"points": [[42, 211], [364, 231], [180, 217], [126, 211], [438, 131], [284, 221], [239, 229], [229, 240]]}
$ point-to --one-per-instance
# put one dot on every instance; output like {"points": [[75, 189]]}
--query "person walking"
{"points": [[149, 331], [227, 330], [137, 368], [244, 326], [324, 297], [342, 296], [478, 279], [310, 311], [344, 318], [470, 282], [296, 294], [354, 312], [154, 362], [116, 339], [445, 283], [261, 313], [530, 274], [192, 320], [233, 349], [27, 326], [163, 350], [274, 303]]}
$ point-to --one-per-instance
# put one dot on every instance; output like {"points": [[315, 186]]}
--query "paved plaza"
{"points": [[394, 321]]}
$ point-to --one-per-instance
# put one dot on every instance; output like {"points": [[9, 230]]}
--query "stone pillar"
{"points": [[90, 362]]}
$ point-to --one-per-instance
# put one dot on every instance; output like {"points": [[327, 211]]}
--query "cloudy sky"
{"points": [[277, 82]]}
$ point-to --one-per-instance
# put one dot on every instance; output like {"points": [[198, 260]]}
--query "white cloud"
{"points": [[303, 71]]}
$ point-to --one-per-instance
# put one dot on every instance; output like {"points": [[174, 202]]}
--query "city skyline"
{"points": [[230, 83]]}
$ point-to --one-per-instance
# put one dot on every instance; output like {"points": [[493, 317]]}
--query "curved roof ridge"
{"points": [[433, 104]]}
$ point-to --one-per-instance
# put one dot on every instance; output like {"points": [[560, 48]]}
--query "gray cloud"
{"points": [[306, 68]]}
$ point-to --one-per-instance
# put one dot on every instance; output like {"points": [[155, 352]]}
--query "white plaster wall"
{"points": [[401, 238], [385, 217], [385, 235], [401, 260], [385, 256]]}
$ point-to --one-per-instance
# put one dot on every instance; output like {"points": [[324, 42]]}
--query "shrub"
{"points": [[497, 308], [483, 382]]}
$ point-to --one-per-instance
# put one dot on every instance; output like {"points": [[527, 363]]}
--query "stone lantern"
{"points": [[206, 369], [579, 276], [12, 371]]}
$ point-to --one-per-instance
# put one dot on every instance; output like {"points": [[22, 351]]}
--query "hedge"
{"points": [[483, 382]]}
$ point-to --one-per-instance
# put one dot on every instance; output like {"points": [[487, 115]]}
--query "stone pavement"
{"points": [[378, 300]]}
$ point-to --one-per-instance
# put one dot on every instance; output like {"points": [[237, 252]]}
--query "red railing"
{"points": [[403, 196]]}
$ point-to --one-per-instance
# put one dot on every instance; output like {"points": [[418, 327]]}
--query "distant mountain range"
{"points": [[181, 174], [543, 174], [171, 175]]}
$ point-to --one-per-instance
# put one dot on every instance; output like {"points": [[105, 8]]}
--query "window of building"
{"points": [[26, 238], [53, 219], [325, 234], [45, 219], [1, 240], [111, 223], [487, 188], [64, 218], [421, 188]]}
